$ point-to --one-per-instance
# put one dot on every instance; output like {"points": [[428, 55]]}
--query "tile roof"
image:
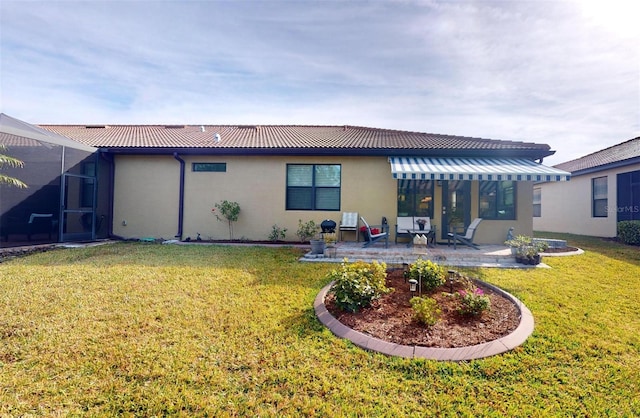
{"points": [[614, 154], [276, 137]]}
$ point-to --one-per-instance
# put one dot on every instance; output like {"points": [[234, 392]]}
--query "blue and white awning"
{"points": [[433, 168]]}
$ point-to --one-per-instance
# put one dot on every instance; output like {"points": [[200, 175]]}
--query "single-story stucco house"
{"points": [[604, 190], [162, 181]]}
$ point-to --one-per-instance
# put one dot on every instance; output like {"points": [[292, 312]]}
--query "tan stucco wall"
{"points": [[258, 184], [566, 206], [147, 191], [495, 232], [146, 196]]}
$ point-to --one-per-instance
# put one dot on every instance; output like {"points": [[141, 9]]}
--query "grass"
{"points": [[143, 330]]}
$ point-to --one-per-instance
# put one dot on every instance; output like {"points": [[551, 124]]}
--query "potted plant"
{"points": [[421, 223], [518, 243], [317, 244], [306, 230], [329, 239], [527, 251]]}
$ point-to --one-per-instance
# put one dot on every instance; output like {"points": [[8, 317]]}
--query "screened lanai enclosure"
{"points": [[63, 200]]}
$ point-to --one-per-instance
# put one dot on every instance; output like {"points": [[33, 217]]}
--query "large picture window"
{"points": [[599, 197], [415, 198], [497, 200], [313, 186]]}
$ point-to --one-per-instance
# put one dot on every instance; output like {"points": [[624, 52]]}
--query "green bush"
{"points": [[306, 230], [431, 274], [358, 284], [277, 233], [629, 232], [426, 310], [473, 302]]}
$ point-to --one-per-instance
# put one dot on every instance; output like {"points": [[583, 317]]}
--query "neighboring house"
{"points": [[604, 190], [164, 180]]}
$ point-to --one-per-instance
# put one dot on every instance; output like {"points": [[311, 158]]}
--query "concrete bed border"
{"points": [[491, 348]]}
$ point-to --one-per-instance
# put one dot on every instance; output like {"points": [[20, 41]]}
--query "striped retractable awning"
{"points": [[432, 168]]}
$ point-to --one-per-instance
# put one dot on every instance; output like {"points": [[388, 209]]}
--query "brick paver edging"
{"points": [[491, 348]]}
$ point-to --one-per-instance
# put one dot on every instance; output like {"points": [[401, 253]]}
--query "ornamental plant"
{"points": [[426, 310], [473, 302], [277, 233], [429, 273], [306, 230], [358, 284], [229, 211]]}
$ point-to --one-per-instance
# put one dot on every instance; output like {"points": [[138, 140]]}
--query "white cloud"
{"points": [[565, 73]]}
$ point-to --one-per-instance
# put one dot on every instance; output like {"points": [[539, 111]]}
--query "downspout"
{"points": [[181, 201]]}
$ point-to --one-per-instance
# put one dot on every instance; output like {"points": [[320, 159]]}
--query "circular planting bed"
{"points": [[389, 326]]}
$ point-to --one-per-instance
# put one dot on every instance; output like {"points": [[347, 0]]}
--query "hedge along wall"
{"points": [[629, 232]]}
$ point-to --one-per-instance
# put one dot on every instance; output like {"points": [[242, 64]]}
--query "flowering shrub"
{"points": [[473, 302], [431, 274], [358, 284], [426, 310]]}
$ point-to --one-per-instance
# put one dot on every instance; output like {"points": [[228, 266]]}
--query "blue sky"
{"points": [[565, 73]]}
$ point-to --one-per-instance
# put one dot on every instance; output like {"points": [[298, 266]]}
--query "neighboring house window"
{"points": [[537, 202], [497, 200], [313, 186], [210, 167], [415, 198], [599, 197]]}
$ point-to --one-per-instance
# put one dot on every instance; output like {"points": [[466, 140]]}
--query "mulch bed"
{"points": [[391, 318], [13, 252]]}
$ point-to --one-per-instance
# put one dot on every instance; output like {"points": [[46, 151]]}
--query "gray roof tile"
{"points": [[614, 154]]}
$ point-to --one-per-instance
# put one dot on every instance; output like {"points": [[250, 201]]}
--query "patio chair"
{"points": [[349, 222], [467, 238], [372, 238]]}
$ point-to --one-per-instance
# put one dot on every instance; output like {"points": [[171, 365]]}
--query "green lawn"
{"points": [[145, 329]]}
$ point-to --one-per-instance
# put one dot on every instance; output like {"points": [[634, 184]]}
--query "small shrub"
{"points": [[426, 310], [306, 230], [230, 212], [431, 274], [358, 284], [629, 232], [330, 238], [473, 302], [277, 233]]}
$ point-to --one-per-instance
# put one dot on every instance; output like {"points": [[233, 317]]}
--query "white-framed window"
{"points": [[537, 202], [599, 193]]}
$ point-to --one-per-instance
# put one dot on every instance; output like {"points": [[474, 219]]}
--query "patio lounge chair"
{"points": [[372, 238], [467, 238], [349, 222]]}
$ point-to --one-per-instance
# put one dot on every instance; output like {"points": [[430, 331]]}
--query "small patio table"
{"points": [[430, 233]]}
